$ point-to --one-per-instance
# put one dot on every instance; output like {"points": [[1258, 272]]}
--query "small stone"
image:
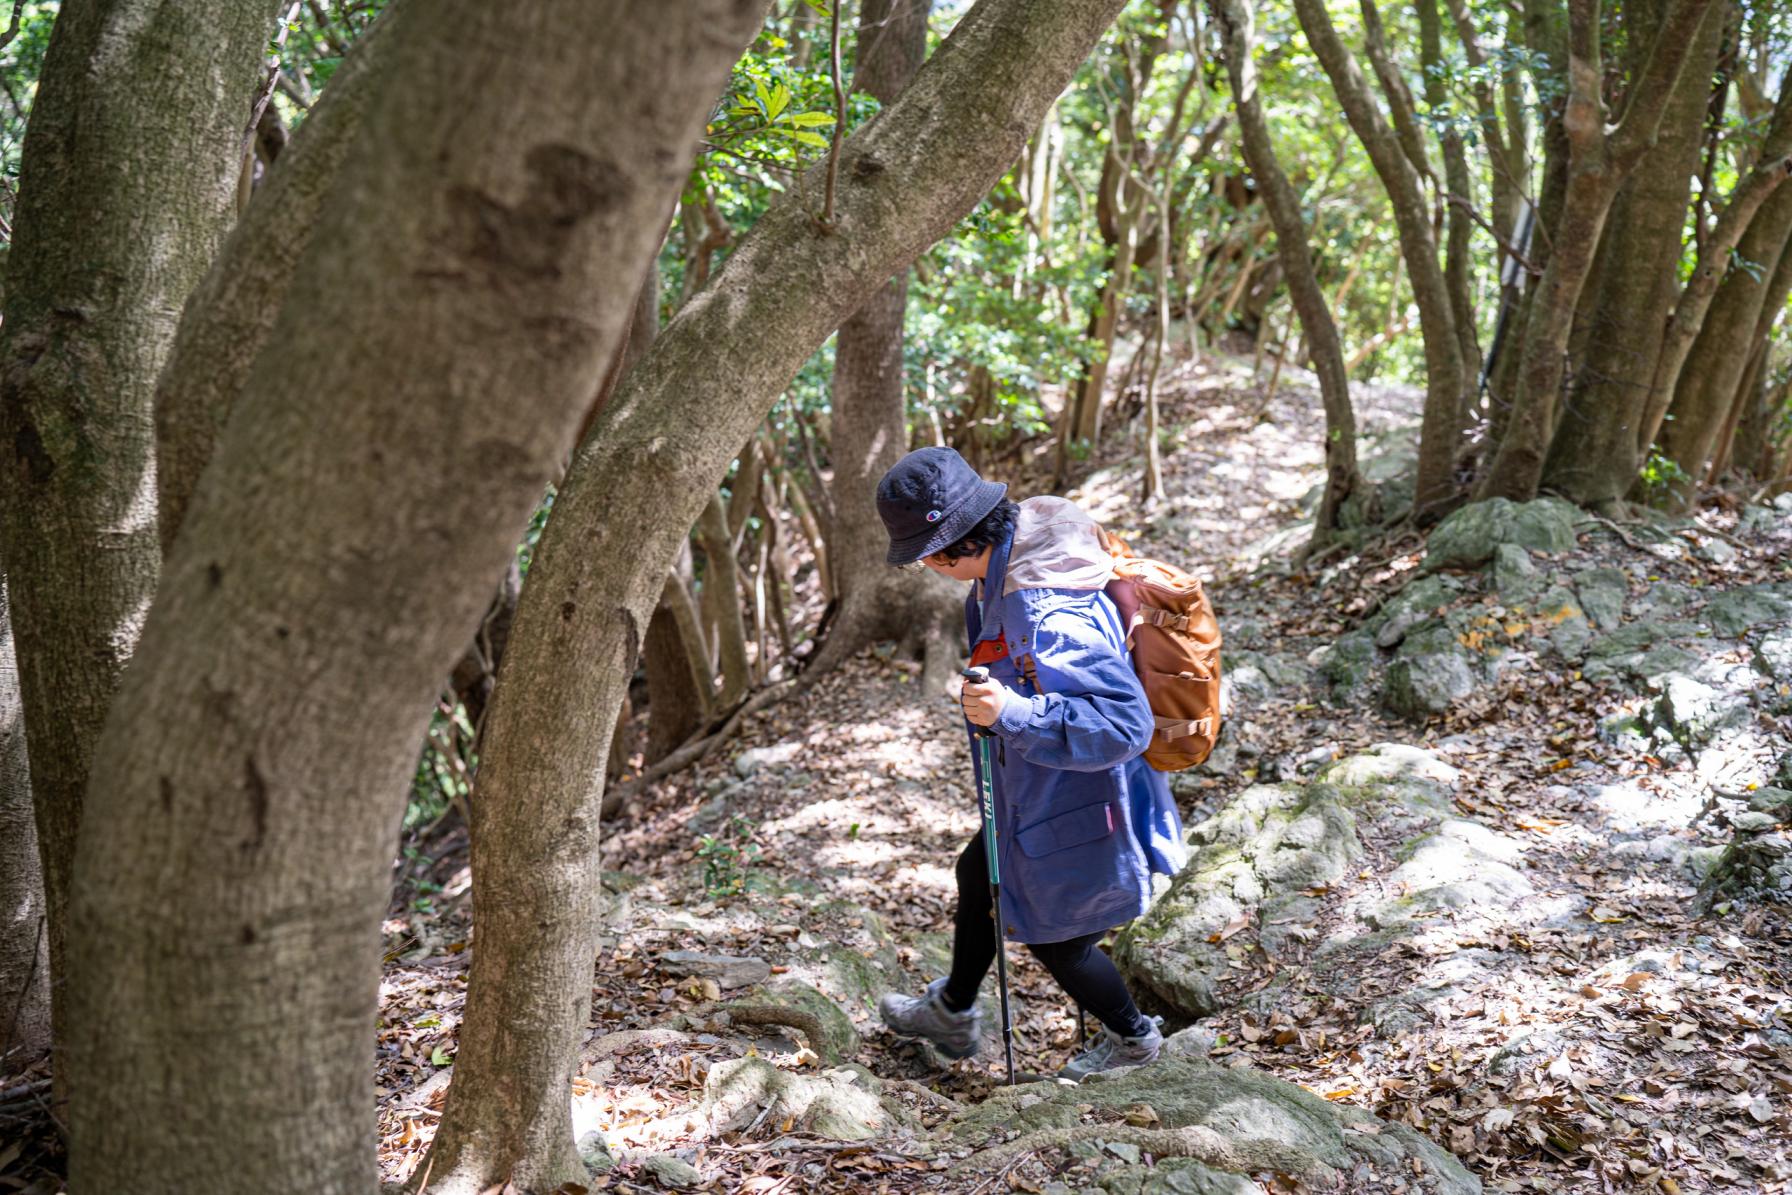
{"points": [[1515, 578], [1125, 1151], [1602, 593], [672, 1172], [1736, 611], [750, 761], [1427, 684], [594, 1151], [728, 971]]}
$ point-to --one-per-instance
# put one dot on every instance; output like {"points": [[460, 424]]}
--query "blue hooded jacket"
{"points": [[1082, 821]]}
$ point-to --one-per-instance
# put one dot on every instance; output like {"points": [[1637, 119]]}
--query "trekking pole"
{"points": [[987, 802]]}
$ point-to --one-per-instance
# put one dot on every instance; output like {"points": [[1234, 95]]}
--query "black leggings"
{"points": [[1080, 968]]}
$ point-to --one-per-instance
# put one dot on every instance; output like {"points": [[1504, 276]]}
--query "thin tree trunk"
{"points": [[678, 683], [721, 600], [1235, 21], [118, 217], [1444, 378], [367, 491], [636, 486], [24, 935], [1458, 253]]}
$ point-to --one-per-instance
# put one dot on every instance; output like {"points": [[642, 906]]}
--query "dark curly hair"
{"points": [[990, 530]]}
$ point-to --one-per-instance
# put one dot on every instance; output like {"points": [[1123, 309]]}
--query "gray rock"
{"points": [[1777, 801], [672, 1172], [1602, 593], [1569, 632], [1696, 712], [594, 1151], [750, 761], [1515, 578], [727, 970], [1348, 665], [1736, 611], [1468, 536], [1422, 685], [1773, 655], [1269, 842]]}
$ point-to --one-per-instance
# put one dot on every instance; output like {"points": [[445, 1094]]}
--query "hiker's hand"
{"points": [[982, 702]]}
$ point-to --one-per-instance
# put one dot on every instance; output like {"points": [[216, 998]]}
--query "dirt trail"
{"points": [[1591, 1034]]}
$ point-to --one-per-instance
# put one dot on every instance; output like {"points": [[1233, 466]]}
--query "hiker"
{"points": [[1082, 821]]}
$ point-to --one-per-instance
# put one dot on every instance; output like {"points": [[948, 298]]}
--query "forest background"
{"points": [[684, 285]]}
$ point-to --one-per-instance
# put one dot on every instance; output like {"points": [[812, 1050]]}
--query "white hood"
{"points": [[1056, 546]]}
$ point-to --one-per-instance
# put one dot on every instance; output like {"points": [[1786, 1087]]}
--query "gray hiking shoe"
{"points": [[954, 1034], [1112, 1052]]}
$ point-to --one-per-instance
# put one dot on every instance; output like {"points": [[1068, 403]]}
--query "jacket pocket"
{"points": [[1079, 826]]}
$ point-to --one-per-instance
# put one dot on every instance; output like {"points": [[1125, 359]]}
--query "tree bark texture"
{"points": [[128, 184], [231, 312], [1444, 380], [636, 486], [24, 936], [1599, 161], [444, 330], [1235, 21], [721, 599], [1739, 212], [1719, 355], [1592, 455], [1458, 252]]}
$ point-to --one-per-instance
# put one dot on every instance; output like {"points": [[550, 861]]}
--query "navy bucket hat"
{"points": [[930, 500]]}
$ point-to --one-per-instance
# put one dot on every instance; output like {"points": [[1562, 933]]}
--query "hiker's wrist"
{"points": [[1015, 710]]}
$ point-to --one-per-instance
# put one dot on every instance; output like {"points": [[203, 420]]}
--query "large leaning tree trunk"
{"points": [[1445, 382], [870, 423], [118, 217], [650, 462], [444, 330], [1236, 22], [1600, 159], [1592, 458], [24, 940]]}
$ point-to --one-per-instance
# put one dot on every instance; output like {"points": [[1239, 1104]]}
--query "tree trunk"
{"points": [[443, 332], [24, 936], [1714, 261], [118, 217], [636, 486], [870, 424], [1592, 457], [231, 313], [1458, 253], [1689, 434], [1235, 21], [1599, 162], [1444, 379], [721, 600], [678, 680]]}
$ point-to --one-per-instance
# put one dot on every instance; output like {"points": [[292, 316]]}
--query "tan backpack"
{"points": [[1175, 644]]}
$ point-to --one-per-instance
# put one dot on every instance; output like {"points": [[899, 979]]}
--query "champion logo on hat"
{"points": [[933, 516]]}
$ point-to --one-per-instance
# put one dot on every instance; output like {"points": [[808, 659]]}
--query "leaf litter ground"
{"points": [[1621, 1043]]}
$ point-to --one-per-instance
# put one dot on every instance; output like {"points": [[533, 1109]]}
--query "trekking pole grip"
{"points": [[979, 675]]}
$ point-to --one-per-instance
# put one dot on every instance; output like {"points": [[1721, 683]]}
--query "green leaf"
{"points": [[780, 100], [440, 1057], [819, 6], [810, 120], [802, 135], [764, 97]]}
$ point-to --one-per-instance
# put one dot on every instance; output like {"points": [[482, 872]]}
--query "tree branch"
{"points": [[1636, 131]]}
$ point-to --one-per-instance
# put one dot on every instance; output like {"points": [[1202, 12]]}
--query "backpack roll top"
{"points": [[1175, 643]]}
